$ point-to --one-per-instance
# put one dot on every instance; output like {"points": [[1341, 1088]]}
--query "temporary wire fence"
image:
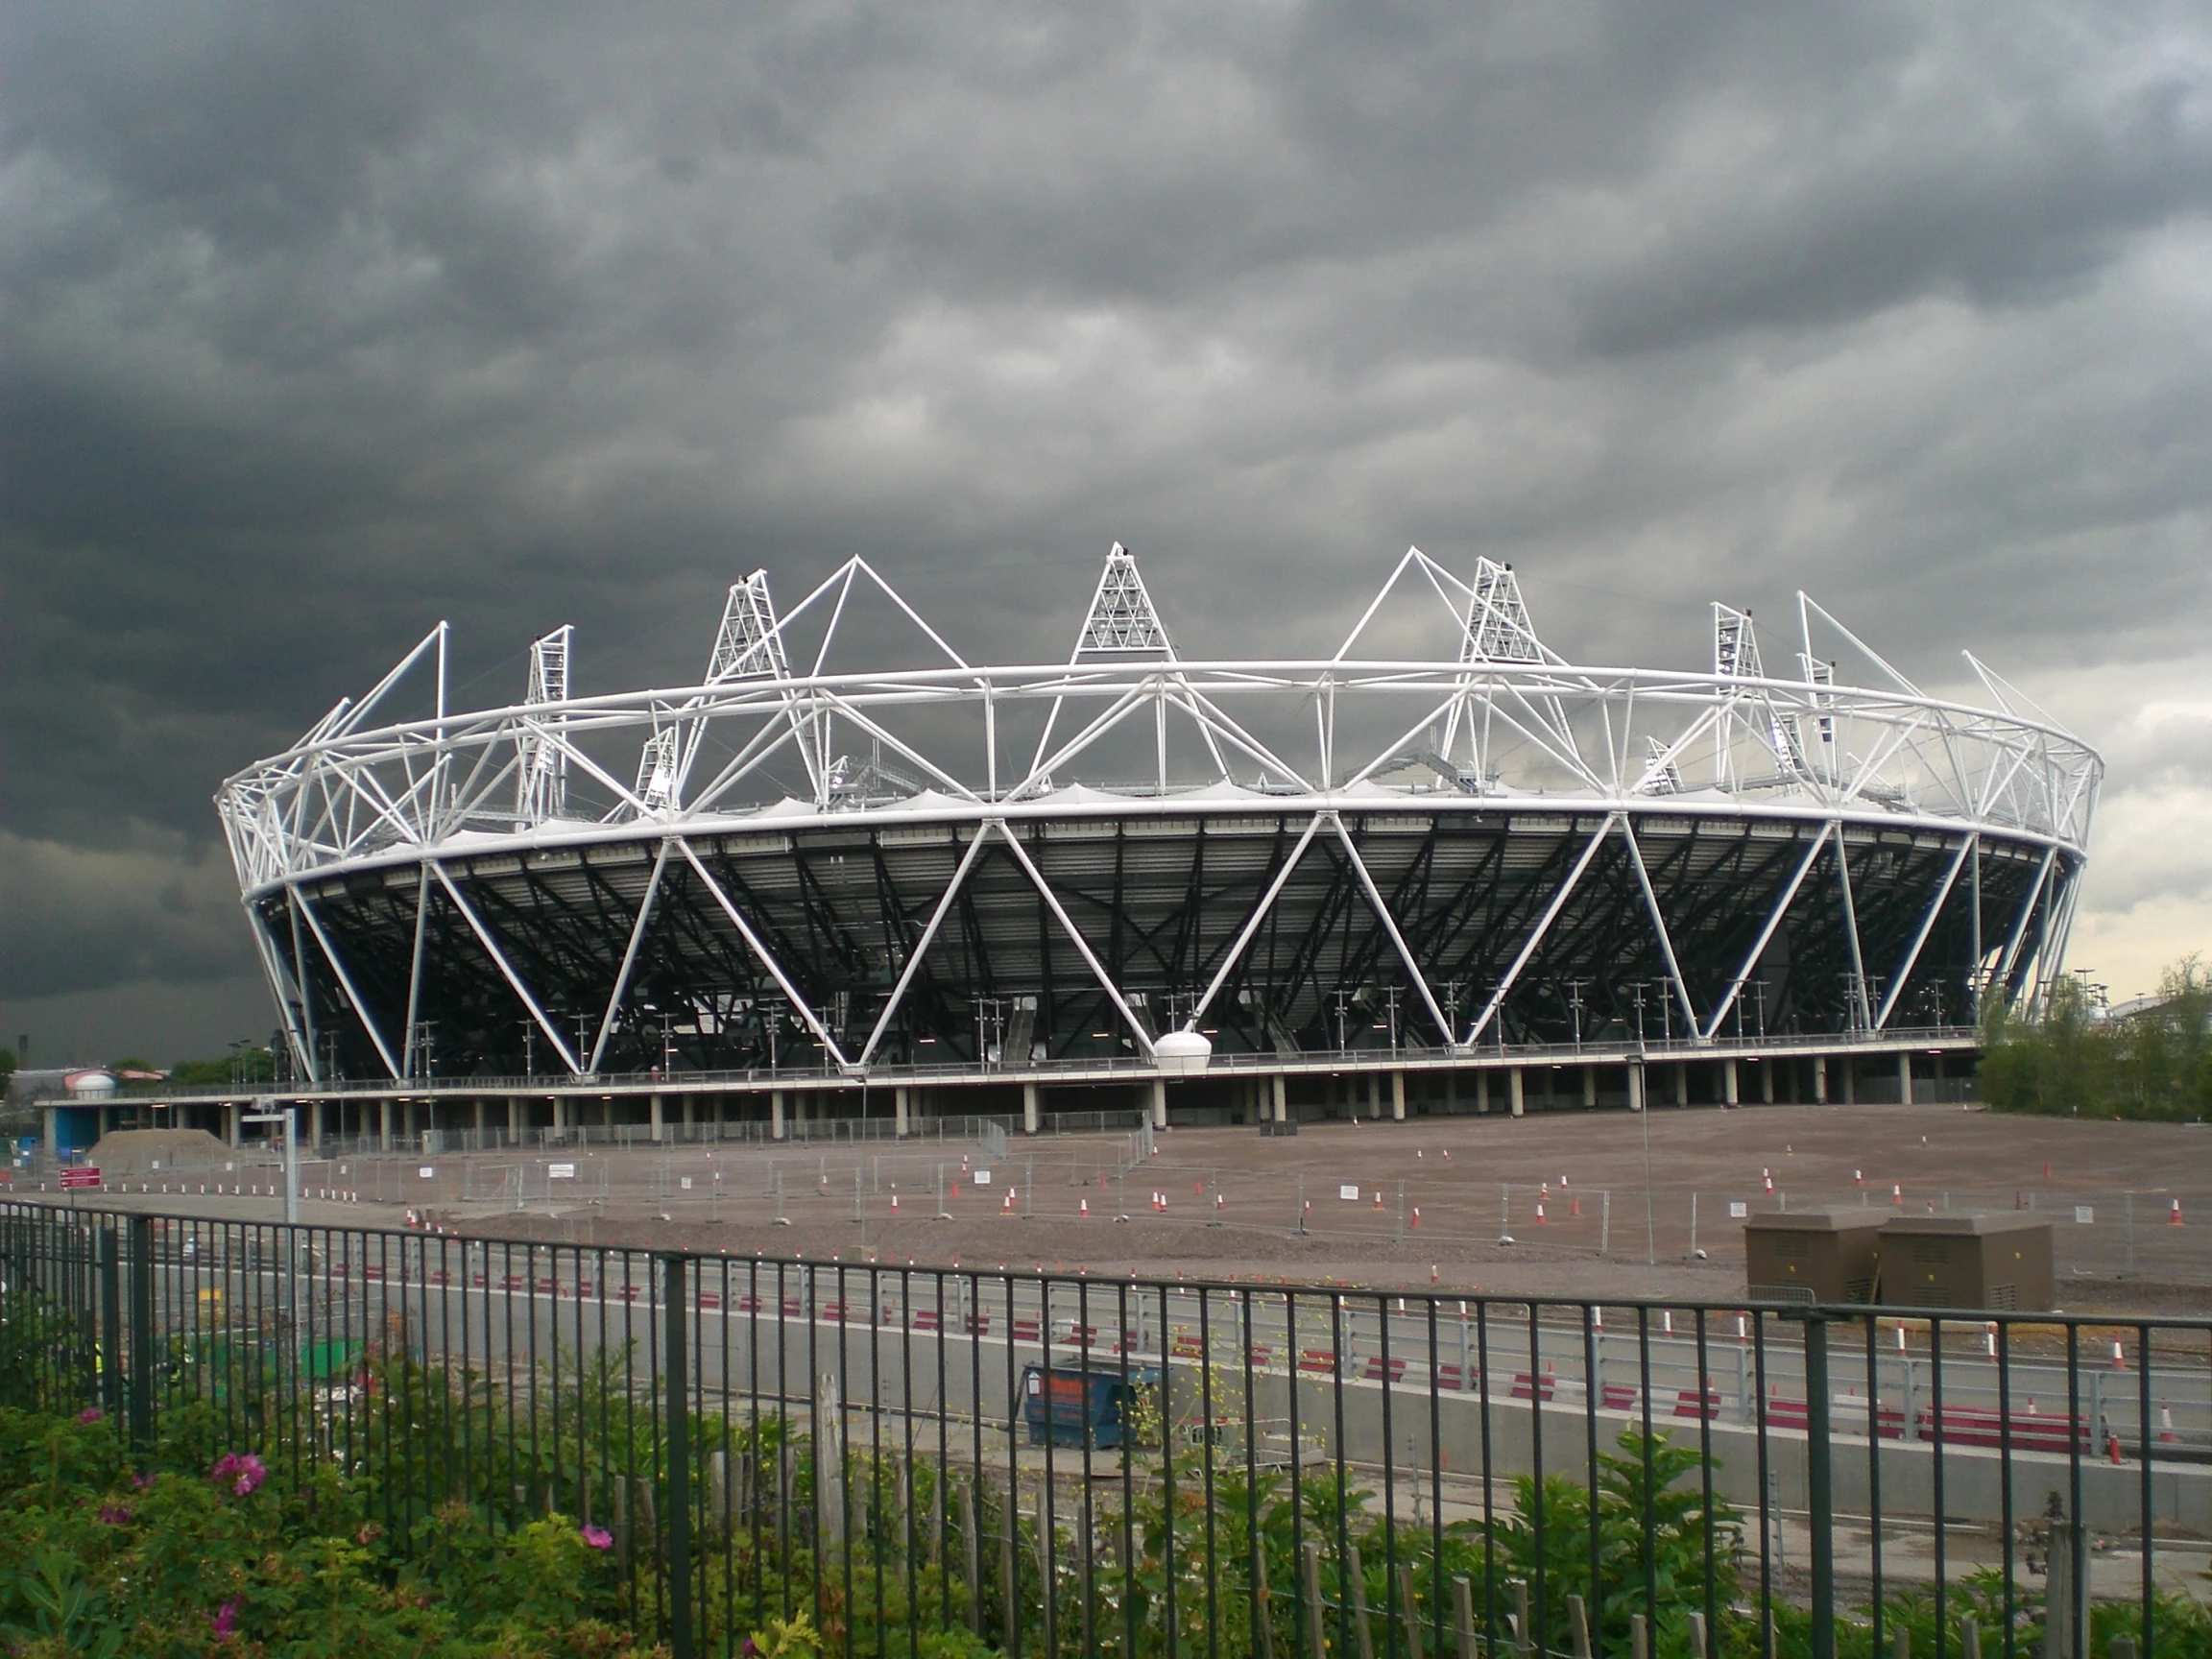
{"points": [[1055, 1465]]}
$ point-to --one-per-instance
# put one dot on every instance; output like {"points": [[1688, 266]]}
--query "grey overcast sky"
{"points": [[319, 321]]}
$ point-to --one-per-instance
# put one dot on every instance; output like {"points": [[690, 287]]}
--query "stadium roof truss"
{"points": [[1355, 767]]}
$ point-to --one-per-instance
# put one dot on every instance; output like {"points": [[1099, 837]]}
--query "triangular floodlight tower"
{"points": [[1906, 745], [746, 646], [758, 649], [541, 784], [1122, 623], [1736, 657], [1495, 630]]}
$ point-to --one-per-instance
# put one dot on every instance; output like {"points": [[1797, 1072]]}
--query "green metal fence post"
{"points": [[676, 1499], [104, 1243], [140, 1259], [1820, 1484]]}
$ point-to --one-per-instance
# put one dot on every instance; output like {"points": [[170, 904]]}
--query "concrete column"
{"points": [[1767, 1082], [1819, 1079], [1905, 1078], [1282, 1093], [384, 1124], [1728, 1081], [50, 1127], [483, 1114], [514, 1120], [690, 1112], [315, 1124], [230, 1121], [1518, 1088], [1396, 1096], [1589, 1086], [658, 1128], [1850, 1080], [776, 1116], [1482, 1091], [899, 1110], [1032, 1109], [1682, 1083], [1635, 1088], [1159, 1103]]}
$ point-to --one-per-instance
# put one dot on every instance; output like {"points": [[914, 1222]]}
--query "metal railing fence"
{"points": [[1067, 1465]]}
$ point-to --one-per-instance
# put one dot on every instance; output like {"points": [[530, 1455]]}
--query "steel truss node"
{"points": [[896, 864]]}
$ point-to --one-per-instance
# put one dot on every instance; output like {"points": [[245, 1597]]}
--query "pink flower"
{"points": [[598, 1537], [225, 1619], [141, 1481], [242, 1473], [90, 1414], [114, 1515]]}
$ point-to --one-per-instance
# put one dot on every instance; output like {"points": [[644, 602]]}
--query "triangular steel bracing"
{"points": [[542, 781]]}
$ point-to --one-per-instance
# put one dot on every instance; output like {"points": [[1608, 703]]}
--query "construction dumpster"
{"points": [[1070, 1406]]}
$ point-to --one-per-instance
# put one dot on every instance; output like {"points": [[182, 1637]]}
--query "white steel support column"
{"points": [[1398, 1096], [660, 1128], [901, 1121], [922, 945], [499, 961], [767, 960], [1390, 927], [346, 979], [1819, 1079], [1159, 1104], [1252, 922], [1032, 1109], [1728, 1080], [1905, 1078], [1282, 1097], [1635, 1071], [1911, 958], [1090, 961], [628, 960], [1517, 1087], [1535, 939], [1774, 921], [776, 1125]]}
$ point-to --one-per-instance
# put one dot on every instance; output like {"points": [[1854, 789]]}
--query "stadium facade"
{"points": [[847, 851]]}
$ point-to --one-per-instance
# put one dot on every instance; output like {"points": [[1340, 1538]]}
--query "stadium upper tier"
{"points": [[942, 860]]}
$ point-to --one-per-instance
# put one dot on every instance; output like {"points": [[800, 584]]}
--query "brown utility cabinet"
{"points": [[2000, 1260], [1811, 1255]]}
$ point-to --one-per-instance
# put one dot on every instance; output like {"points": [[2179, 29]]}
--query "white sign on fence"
{"points": [[1349, 1192], [426, 1171], [560, 1171], [686, 1183], [1738, 1210], [982, 1177], [2084, 1214]]}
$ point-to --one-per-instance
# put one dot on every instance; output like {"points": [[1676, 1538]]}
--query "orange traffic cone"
{"points": [[1897, 1196], [1416, 1215], [1539, 1212], [2173, 1215], [1083, 1208]]}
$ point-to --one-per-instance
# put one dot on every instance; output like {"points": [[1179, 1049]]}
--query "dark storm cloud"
{"points": [[319, 322]]}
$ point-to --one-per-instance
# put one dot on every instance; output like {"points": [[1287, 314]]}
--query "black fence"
{"points": [[926, 1460]]}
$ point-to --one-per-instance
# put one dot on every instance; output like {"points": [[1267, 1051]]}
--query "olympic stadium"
{"points": [[844, 852]]}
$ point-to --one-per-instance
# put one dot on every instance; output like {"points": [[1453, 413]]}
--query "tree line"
{"points": [[2071, 1056]]}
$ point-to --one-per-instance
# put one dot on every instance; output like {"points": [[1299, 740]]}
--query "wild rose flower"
{"points": [[114, 1515], [598, 1537], [242, 1473], [225, 1619], [90, 1414], [141, 1481]]}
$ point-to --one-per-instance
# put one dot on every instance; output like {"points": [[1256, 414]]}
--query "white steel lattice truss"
{"points": [[1498, 724]]}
